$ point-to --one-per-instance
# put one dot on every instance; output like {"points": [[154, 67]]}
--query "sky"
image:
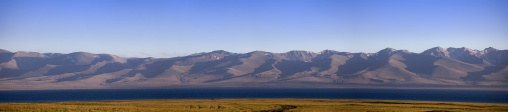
{"points": [[169, 28]]}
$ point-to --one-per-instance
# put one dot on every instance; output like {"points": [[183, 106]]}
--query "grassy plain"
{"points": [[253, 105]]}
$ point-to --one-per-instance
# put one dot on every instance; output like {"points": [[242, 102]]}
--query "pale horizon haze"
{"points": [[170, 28]]}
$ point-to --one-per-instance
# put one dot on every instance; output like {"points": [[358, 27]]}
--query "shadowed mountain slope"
{"points": [[435, 67]]}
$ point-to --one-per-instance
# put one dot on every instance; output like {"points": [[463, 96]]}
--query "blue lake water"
{"points": [[484, 96]]}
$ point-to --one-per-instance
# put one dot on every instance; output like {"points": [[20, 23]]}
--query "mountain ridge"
{"points": [[388, 67]]}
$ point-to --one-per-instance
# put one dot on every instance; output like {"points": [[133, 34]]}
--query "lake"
{"points": [[482, 96]]}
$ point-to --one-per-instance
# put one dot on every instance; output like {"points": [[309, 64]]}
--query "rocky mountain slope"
{"points": [[435, 67]]}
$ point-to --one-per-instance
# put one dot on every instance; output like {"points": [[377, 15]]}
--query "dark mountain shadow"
{"points": [[212, 67], [111, 67], [262, 68], [77, 59], [158, 67], [108, 68], [421, 64], [152, 70], [289, 68], [298, 55], [118, 78], [357, 63], [67, 69], [381, 58], [134, 62], [5, 72], [377, 62], [60, 60], [503, 60], [477, 76], [322, 64], [5, 57], [470, 59], [465, 55], [376, 80], [268, 65], [30, 63], [353, 65], [201, 67]]}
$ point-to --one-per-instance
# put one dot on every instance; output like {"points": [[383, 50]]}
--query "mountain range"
{"points": [[433, 68]]}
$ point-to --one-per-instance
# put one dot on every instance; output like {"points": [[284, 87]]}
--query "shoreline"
{"points": [[479, 96]]}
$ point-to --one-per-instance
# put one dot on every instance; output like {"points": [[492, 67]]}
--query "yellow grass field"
{"points": [[253, 105]]}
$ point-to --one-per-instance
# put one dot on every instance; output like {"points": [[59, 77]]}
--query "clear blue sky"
{"points": [[168, 28]]}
